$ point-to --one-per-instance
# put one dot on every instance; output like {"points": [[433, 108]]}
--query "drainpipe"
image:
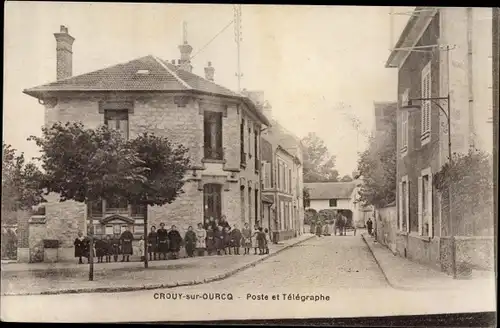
{"points": [[470, 78]]}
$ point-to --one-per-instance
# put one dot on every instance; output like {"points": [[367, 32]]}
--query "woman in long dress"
{"points": [[190, 241], [255, 242], [174, 241], [79, 247]]}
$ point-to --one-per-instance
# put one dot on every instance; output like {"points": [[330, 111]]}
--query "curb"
{"points": [[389, 282], [158, 286]]}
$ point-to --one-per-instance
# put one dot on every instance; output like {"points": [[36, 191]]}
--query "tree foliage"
{"points": [[306, 196], [20, 184], [84, 164], [166, 166], [319, 165], [346, 178], [470, 177], [377, 167]]}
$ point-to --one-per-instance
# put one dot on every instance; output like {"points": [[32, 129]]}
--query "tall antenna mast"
{"points": [[238, 38], [184, 32]]}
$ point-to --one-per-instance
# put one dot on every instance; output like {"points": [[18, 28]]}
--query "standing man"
{"points": [[79, 246], [369, 226], [162, 235], [126, 242]]}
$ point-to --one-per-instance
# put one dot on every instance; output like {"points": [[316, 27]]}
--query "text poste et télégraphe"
{"points": [[248, 297]]}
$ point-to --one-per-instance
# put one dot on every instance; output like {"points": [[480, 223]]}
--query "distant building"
{"points": [[282, 177], [220, 128], [340, 196]]}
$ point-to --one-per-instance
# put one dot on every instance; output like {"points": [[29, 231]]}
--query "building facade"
{"points": [[342, 197], [220, 128], [441, 52], [282, 202]]}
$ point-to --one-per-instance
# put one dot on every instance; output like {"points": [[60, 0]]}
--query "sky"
{"points": [[319, 66]]}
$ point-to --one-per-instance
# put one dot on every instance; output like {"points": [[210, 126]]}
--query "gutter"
{"points": [[470, 81]]}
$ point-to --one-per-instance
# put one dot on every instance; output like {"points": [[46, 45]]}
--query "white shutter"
{"points": [[429, 202], [407, 205], [420, 205], [400, 220]]}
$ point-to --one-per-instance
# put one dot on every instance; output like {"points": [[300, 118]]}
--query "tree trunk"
{"points": [[146, 237], [91, 246]]}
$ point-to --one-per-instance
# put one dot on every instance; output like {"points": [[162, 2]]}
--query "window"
{"points": [[278, 175], [332, 203], [96, 208], [98, 229], [257, 219], [116, 204], [256, 148], [242, 200], [212, 201], [249, 141], [243, 155], [425, 203], [138, 210], [282, 214], [289, 181], [404, 131], [267, 175], [118, 120], [213, 135], [249, 205], [109, 230], [404, 213], [426, 104], [290, 218]]}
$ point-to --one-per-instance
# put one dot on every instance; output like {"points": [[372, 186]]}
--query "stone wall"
{"points": [[37, 233], [475, 252], [386, 226]]}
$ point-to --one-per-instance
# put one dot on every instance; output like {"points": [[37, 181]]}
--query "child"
{"points": [[210, 241], [266, 232], [255, 242], [152, 243], [219, 240], [227, 241], [100, 249], [246, 234], [142, 250], [115, 247], [190, 241], [108, 248], [236, 240], [261, 241]]}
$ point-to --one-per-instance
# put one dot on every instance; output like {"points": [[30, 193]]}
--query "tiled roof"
{"points": [[330, 190], [147, 73]]}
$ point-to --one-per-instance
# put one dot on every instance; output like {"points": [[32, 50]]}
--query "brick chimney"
{"points": [[209, 72], [64, 53]]}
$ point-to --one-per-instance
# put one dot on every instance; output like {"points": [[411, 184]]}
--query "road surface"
{"points": [[322, 277]]}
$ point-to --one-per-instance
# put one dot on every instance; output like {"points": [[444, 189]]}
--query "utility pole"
{"points": [[238, 38]]}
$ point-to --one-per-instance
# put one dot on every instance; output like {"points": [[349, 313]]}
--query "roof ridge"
{"points": [[159, 61]]}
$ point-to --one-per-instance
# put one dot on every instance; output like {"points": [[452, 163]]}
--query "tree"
{"points": [[346, 178], [166, 166], [470, 177], [87, 165], [377, 166], [306, 195], [20, 188], [319, 165]]}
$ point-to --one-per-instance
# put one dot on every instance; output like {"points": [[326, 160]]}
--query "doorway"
{"points": [[212, 201]]}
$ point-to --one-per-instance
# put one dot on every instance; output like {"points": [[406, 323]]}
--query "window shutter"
{"points": [[420, 205], [407, 218], [430, 211], [400, 194]]}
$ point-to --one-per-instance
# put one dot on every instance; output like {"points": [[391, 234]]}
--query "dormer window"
{"points": [[143, 71]]}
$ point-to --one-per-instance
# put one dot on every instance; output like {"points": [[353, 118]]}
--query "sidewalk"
{"points": [[404, 274], [60, 278]]}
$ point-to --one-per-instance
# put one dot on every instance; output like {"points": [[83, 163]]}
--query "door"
{"points": [[212, 201]]}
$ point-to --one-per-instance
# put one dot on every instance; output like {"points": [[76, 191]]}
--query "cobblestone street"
{"points": [[340, 268]]}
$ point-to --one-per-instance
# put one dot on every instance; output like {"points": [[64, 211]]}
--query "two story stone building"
{"points": [[441, 52], [282, 178], [220, 128]]}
